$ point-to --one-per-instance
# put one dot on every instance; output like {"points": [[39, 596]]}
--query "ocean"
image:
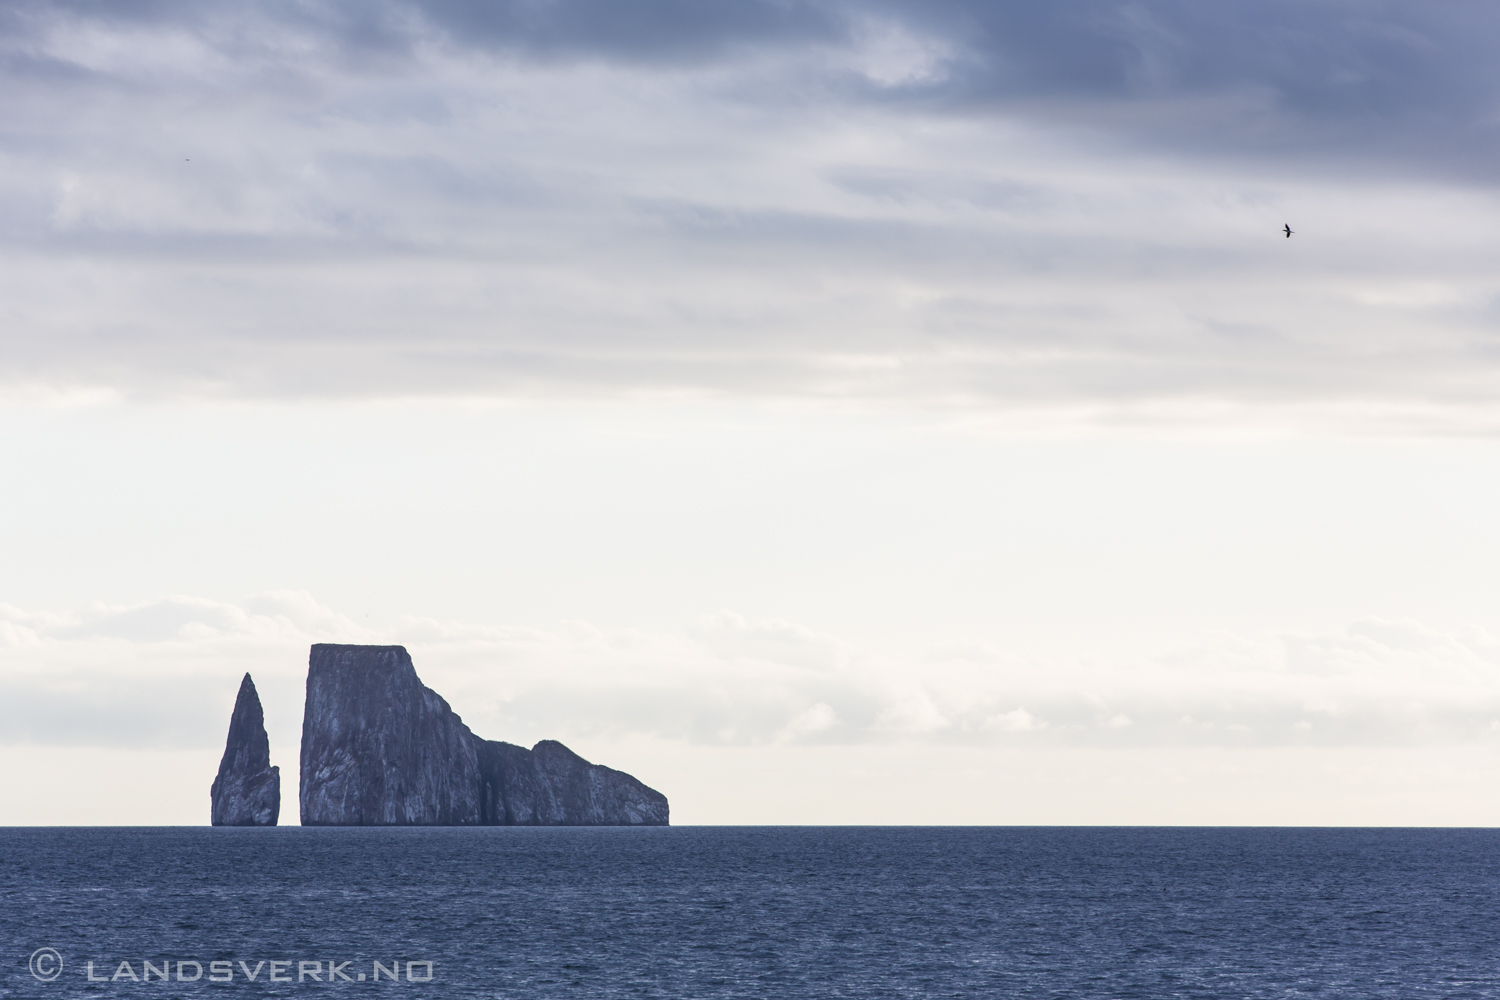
{"points": [[764, 912]]}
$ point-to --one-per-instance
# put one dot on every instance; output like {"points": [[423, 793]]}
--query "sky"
{"points": [[829, 412]]}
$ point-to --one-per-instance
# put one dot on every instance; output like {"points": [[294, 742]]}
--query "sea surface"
{"points": [[766, 912]]}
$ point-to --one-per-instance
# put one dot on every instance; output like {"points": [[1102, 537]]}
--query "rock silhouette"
{"points": [[247, 791], [550, 785], [379, 748]]}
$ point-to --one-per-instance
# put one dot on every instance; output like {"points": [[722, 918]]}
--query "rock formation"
{"points": [[379, 748], [247, 791], [550, 785]]}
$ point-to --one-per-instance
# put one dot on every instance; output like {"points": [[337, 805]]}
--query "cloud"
{"points": [[164, 673], [1382, 86], [1027, 208], [731, 636], [1290, 78], [1015, 721]]}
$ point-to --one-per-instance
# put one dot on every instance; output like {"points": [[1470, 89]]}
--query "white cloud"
{"points": [[729, 635], [163, 673], [889, 54], [817, 719], [1015, 721]]}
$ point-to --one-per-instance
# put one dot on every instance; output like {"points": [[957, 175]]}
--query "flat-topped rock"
{"points": [[247, 791], [379, 748]]}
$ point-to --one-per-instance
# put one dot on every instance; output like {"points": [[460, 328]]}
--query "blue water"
{"points": [[758, 912]]}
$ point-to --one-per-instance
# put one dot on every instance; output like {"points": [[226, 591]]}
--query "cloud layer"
{"points": [[1028, 206], [163, 674]]}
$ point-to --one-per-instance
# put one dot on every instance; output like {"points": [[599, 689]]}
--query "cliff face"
{"points": [[550, 785], [379, 749], [247, 791]]}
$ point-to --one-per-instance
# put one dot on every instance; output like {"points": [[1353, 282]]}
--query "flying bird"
{"points": [[1288, 231]]}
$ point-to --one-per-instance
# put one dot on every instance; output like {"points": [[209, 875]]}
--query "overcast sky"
{"points": [[811, 407]]}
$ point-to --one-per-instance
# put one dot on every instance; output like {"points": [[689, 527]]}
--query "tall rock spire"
{"points": [[247, 791]]}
